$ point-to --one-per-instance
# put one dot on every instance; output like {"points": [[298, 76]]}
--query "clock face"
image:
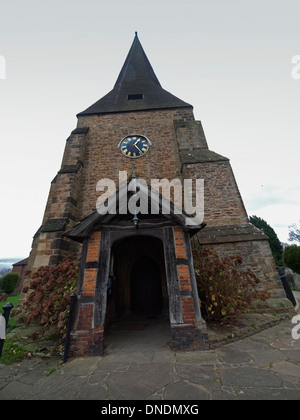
{"points": [[134, 146]]}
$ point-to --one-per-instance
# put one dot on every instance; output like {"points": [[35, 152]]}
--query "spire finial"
{"points": [[136, 34]]}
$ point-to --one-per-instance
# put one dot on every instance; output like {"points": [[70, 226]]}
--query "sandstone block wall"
{"points": [[179, 150]]}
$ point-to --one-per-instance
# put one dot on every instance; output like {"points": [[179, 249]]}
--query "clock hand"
{"points": [[137, 147]]}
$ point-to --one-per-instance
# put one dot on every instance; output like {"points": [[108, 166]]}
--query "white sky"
{"points": [[230, 59]]}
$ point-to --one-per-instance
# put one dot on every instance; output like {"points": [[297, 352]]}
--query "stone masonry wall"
{"points": [[257, 257], [104, 159], [179, 150], [222, 201], [91, 154]]}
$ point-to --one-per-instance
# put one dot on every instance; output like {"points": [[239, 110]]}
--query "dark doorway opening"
{"points": [[137, 283], [145, 285]]}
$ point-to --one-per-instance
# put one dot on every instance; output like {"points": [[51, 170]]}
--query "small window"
{"points": [[135, 96]]}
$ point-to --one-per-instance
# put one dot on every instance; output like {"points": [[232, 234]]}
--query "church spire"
{"points": [[136, 69], [137, 88]]}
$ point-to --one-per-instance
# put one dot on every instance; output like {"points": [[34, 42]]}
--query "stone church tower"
{"points": [[142, 262]]}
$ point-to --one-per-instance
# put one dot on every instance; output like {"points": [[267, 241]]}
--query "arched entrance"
{"points": [[137, 279], [121, 263]]}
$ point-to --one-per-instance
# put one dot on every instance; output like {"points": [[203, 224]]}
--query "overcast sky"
{"points": [[230, 59]]}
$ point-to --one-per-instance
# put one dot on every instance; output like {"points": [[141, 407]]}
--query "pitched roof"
{"points": [[166, 210], [137, 88], [22, 262]]}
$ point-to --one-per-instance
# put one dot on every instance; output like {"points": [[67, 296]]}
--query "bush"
{"points": [[9, 282], [224, 288], [291, 257], [48, 295]]}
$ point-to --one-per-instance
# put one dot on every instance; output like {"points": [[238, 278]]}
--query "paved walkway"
{"points": [[139, 365]]}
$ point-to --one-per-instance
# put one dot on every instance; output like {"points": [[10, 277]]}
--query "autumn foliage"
{"points": [[48, 295], [225, 288]]}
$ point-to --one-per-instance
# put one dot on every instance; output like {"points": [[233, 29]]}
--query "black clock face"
{"points": [[134, 146]]}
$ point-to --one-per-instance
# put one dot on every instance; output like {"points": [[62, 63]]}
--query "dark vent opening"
{"points": [[135, 96]]}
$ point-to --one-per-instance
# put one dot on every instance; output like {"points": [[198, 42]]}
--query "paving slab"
{"points": [[251, 377], [263, 366], [186, 391]]}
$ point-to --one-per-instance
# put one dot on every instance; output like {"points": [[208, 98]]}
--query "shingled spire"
{"points": [[136, 89]]}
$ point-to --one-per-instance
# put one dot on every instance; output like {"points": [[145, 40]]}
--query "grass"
{"points": [[11, 352], [20, 343], [14, 300], [51, 371]]}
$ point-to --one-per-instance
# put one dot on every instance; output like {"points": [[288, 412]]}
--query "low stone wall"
{"points": [[245, 326]]}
